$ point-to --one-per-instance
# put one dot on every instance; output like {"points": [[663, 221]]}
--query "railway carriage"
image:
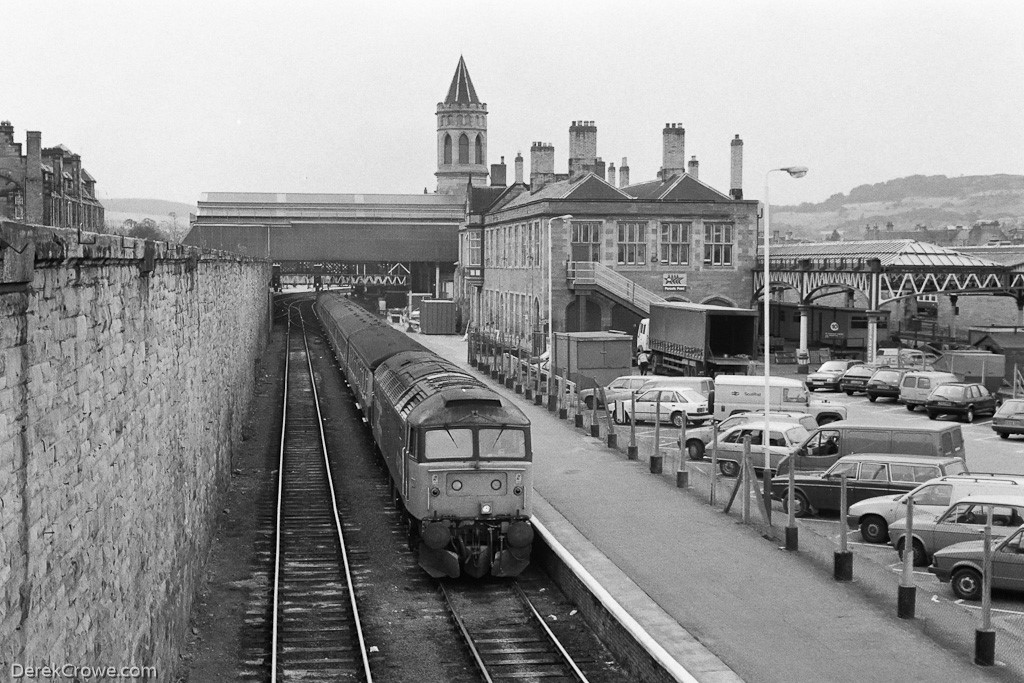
{"points": [[459, 455]]}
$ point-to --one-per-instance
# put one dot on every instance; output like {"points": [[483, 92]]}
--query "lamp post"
{"points": [[791, 529], [551, 304]]}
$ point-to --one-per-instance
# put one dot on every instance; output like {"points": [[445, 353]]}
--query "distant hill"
{"points": [[119, 210], [908, 203]]}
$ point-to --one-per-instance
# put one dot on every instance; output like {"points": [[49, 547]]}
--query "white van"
{"points": [[915, 386], [874, 515], [740, 393], [901, 358]]}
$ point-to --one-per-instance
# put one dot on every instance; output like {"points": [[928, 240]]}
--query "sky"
{"points": [[172, 99]]}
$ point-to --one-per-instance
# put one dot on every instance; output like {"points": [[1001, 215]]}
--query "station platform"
{"points": [[721, 597]]}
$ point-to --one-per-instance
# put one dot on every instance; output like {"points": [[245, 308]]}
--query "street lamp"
{"points": [[551, 305], [791, 529]]}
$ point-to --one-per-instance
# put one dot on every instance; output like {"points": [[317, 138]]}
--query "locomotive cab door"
{"points": [[407, 463]]}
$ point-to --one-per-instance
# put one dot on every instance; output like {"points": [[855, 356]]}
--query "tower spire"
{"points": [[461, 91]]}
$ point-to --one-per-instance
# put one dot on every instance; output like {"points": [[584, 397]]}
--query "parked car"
{"points": [[963, 399], [917, 384], [1009, 419], [906, 359], [620, 388], [961, 521], [829, 374], [856, 378], [961, 565], [699, 438], [868, 475], [884, 383], [874, 515], [676, 405], [832, 441], [785, 437]]}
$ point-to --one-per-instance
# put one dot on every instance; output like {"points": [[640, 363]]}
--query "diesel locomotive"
{"points": [[458, 454]]}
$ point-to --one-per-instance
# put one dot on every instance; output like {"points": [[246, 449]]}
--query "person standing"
{"points": [[643, 359]]}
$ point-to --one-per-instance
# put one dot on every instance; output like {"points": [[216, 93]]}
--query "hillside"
{"points": [[930, 201], [170, 218]]}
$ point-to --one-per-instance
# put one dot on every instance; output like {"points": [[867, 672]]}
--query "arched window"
{"points": [[463, 149], [479, 149], [447, 148]]}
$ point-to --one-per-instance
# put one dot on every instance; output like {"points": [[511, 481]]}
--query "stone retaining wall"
{"points": [[126, 370]]}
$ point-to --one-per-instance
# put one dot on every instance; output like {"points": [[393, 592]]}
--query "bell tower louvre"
{"points": [[461, 136]]}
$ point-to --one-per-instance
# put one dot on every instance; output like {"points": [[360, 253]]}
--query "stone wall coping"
{"points": [[59, 245]]}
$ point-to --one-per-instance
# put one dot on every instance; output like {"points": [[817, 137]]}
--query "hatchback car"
{"points": [[884, 383], [784, 439], [676, 406], [856, 378], [962, 521], [961, 565], [699, 438], [963, 399], [829, 374], [1009, 419], [868, 475], [620, 388]]}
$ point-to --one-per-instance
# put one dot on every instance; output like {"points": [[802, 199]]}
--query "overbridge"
{"points": [[377, 241], [884, 271]]}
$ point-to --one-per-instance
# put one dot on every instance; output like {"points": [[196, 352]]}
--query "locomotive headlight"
{"points": [[518, 490], [496, 485], [456, 485], [434, 491], [485, 508]]}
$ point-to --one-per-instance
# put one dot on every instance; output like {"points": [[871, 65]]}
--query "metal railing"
{"points": [[612, 282]]}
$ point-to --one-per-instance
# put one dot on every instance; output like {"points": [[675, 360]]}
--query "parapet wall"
{"points": [[126, 370]]}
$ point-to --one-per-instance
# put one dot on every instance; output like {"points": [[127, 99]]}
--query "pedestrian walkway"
{"points": [[720, 596]]}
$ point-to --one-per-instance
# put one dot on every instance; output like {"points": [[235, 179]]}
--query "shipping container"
{"points": [[438, 316], [593, 358]]}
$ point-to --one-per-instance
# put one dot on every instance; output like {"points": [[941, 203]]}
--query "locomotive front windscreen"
{"points": [[458, 444], [449, 444], [502, 443]]}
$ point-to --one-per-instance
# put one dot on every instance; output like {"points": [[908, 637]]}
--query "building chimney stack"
{"points": [[693, 167], [611, 174], [736, 169], [519, 167], [623, 173], [673, 146], [34, 177], [542, 165], [498, 174], [582, 147]]}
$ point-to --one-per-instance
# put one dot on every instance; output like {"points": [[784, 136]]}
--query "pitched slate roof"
{"points": [[461, 91], [677, 188], [586, 186]]}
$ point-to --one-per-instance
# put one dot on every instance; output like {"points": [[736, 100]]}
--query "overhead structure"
{"points": [[884, 271]]}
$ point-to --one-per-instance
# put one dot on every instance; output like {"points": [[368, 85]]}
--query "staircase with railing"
{"points": [[589, 275]]}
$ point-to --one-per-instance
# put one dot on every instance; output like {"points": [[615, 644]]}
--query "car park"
{"points": [[874, 515], [962, 565], [829, 374], [620, 388], [856, 378], [1009, 419], [917, 384], [868, 475], [884, 383], [965, 400], [784, 438], [962, 521], [676, 406], [699, 438], [832, 441]]}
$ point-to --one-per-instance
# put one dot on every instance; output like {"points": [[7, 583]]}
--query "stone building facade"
{"points": [[46, 186], [674, 238]]}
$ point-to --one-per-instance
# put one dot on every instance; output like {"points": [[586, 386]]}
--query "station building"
{"points": [[46, 186]]}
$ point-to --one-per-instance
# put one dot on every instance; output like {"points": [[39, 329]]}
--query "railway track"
{"points": [[506, 635], [316, 630]]}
